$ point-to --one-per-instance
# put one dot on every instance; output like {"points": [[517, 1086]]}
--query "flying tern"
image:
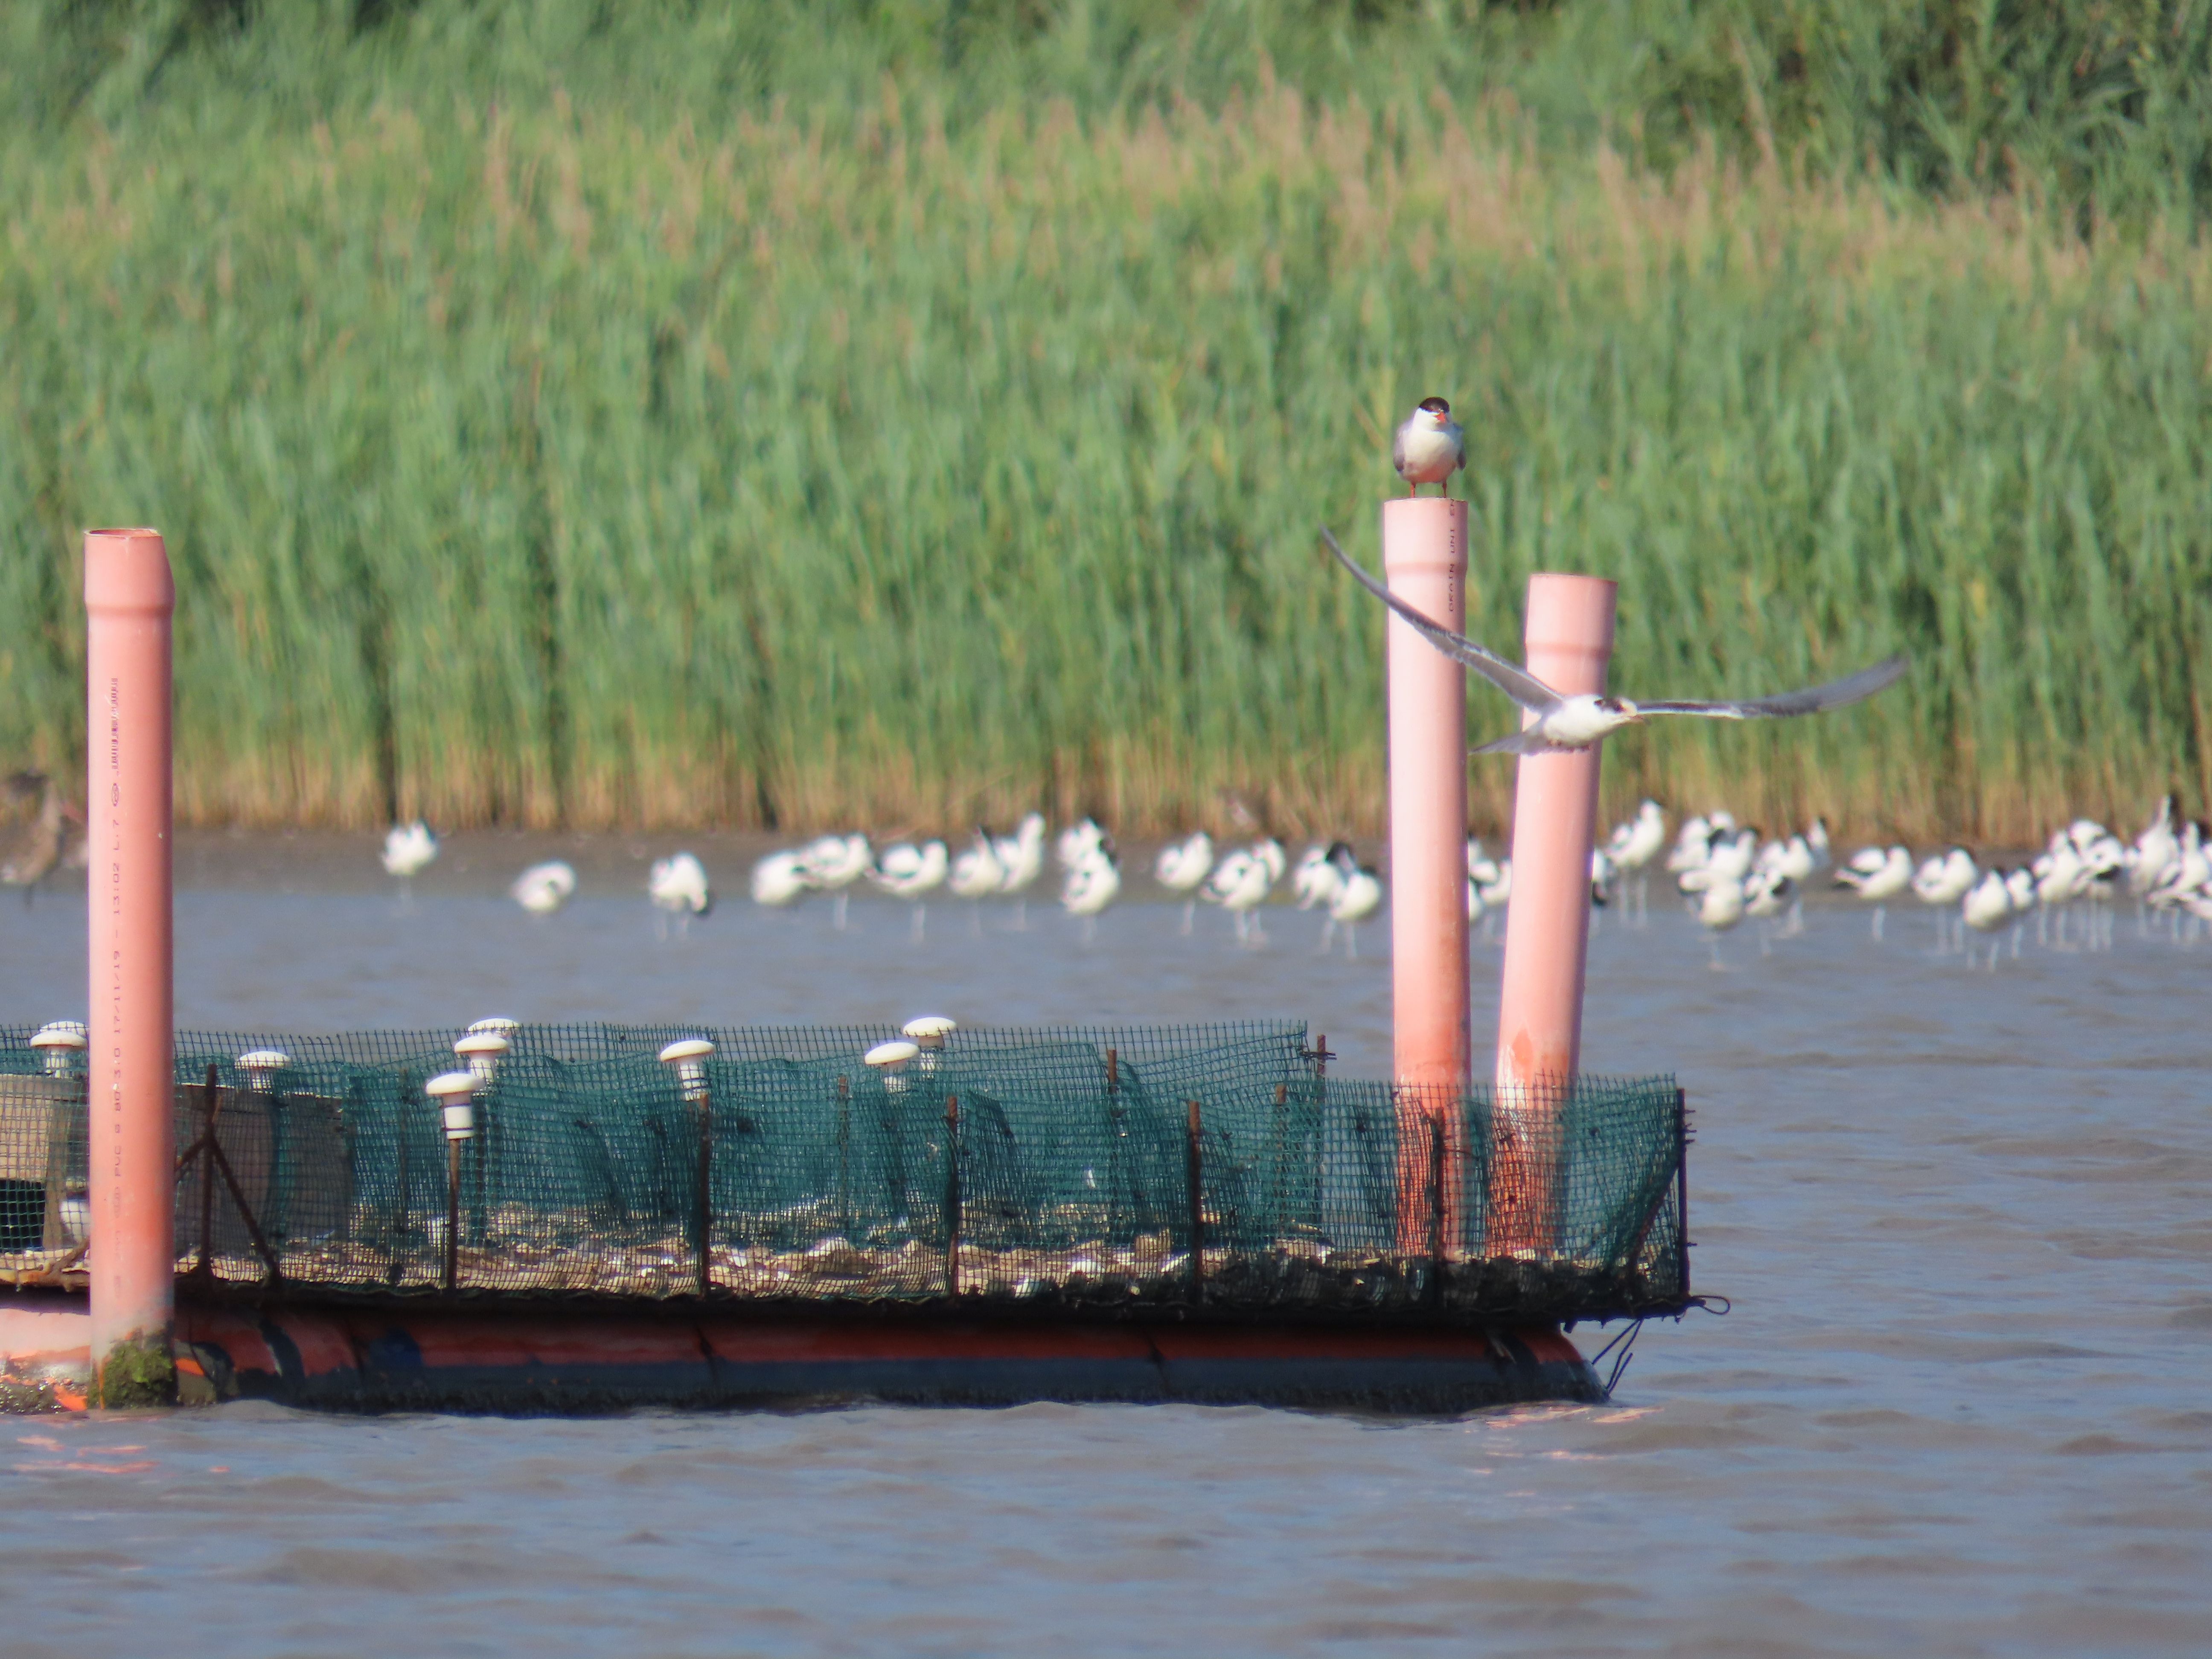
{"points": [[1567, 721]]}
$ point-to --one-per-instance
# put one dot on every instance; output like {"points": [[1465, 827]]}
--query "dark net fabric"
{"points": [[1069, 1170]]}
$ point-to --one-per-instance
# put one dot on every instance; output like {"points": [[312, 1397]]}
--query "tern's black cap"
{"points": [[1435, 405]]}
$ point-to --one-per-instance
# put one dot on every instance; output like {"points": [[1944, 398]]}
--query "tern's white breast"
{"points": [[1431, 452]]}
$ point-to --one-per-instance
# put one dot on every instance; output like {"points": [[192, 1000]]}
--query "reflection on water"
{"points": [[1959, 1408]]}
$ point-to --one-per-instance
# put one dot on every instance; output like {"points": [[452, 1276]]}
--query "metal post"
{"points": [[1194, 1175], [403, 1208], [209, 1105], [130, 600], [1436, 1212], [453, 1213], [1569, 643], [845, 1157], [705, 1200], [952, 1195], [1682, 1186]]}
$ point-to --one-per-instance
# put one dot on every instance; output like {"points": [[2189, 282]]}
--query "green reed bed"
{"points": [[600, 461]]}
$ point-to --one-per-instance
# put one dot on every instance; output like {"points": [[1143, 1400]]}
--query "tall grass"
{"points": [[893, 458]]}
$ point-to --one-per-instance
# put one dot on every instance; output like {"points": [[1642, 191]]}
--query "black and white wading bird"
{"points": [[409, 849], [678, 887], [911, 872], [1566, 721], [1877, 877], [1358, 896], [1181, 866], [1429, 446]]}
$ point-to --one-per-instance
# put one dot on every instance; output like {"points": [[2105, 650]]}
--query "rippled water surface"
{"points": [[1961, 1405]]}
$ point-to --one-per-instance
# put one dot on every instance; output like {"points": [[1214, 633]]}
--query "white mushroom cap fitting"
{"points": [[261, 1067], [482, 1051], [689, 1055], [931, 1030], [60, 1042], [890, 1059], [498, 1025], [454, 1091]]}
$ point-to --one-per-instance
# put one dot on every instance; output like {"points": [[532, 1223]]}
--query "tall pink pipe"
{"points": [[129, 599], [1425, 561], [1568, 644]]}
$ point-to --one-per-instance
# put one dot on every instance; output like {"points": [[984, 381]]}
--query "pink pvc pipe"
{"points": [[1568, 643], [129, 599], [1425, 561]]}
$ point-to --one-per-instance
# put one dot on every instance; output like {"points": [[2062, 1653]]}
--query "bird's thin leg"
{"points": [[976, 918], [1713, 940], [1351, 941], [1090, 929], [1328, 935], [837, 910], [920, 912], [1880, 911], [1189, 916], [1021, 916]]}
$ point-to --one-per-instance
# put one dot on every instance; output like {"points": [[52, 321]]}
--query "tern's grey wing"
{"points": [[1398, 450], [1815, 700], [1513, 680]]}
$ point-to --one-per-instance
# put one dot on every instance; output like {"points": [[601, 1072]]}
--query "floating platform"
{"points": [[599, 1217]]}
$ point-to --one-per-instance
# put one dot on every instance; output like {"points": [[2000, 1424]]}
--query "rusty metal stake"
{"points": [[705, 1219], [211, 1103], [1195, 1172], [952, 1195], [1436, 1212], [452, 1214], [1682, 1187], [845, 1157], [208, 1150]]}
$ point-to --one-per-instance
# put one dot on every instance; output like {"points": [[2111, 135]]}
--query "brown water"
{"points": [[1960, 1406]]}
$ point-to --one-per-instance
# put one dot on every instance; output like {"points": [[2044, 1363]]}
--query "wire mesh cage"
{"points": [[1217, 1169]]}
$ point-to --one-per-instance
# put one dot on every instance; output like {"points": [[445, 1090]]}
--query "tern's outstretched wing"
{"points": [[1817, 700], [1513, 681]]}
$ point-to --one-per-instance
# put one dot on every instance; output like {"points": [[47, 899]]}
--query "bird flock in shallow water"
{"points": [[1724, 872], [1238, 881]]}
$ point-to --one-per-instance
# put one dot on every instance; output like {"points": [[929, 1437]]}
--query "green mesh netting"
{"points": [[1067, 1169]]}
